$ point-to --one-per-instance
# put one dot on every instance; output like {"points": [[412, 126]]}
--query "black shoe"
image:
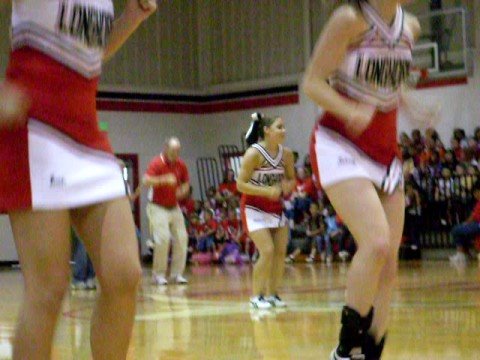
{"points": [[371, 349]]}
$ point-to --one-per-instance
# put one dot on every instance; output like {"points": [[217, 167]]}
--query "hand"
{"points": [[170, 179], [275, 193], [140, 10], [360, 118], [286, 188], [14, 106], [181, 194]]}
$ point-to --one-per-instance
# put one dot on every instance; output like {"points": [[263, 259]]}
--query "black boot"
{"points": [[371, 349], [352, 334]]}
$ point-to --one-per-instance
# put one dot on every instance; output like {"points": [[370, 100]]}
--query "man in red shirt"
{"points": [[167, 174], [463, 234]]}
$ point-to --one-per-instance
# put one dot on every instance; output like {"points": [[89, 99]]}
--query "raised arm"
{"points": [[427, 115], [135, 12], [340, 31]]}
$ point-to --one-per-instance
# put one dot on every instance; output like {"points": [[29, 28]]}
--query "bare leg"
{"points": [[280, 240], [263, 267], [365, 217], [43, 244], [109, 235], [394, 209]]}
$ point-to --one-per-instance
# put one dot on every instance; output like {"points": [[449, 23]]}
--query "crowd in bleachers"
{"points": [[438, 180]]}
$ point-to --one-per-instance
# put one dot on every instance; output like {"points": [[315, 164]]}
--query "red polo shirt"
{"points": [[165, 195]]}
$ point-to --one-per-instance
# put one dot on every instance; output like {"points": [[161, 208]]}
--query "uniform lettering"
{"points": [[269, 179], [88, 24], [382, 72]]}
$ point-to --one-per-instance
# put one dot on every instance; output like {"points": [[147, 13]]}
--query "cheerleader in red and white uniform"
{"points": [[57, 168], [360, 62], [267, 173]]}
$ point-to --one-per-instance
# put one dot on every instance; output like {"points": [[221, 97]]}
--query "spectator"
{"points": [[463, 234], [211, 197], [476, 134], [461, 137], [229, 184], [417, 140], [449, 161], [187, 205], [333, 229], [206, 233], [228, 247], [413, 212], [405, 140], [303, 194], [316, 233], [83, 272]]}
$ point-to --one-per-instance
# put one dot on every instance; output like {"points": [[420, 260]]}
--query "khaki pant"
{"points": [[166, 224]]}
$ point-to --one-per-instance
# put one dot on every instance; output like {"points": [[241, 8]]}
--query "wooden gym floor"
{"points": [[435, 315]]}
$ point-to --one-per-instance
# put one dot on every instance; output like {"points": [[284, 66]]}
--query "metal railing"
{"points": [[208, 174], [445, 202]]}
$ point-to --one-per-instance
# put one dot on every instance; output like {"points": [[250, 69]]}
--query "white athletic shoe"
{"points": [[310, 259], [335, 356], [343, 255], [78, 285], [179, 279], [259, 302], [149, 244], [159, 280], [276, 301], [91, 284]]}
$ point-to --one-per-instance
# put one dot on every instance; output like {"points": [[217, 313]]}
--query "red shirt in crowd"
{"points": [[187, 206], [231, 227], [211, 225], [307, 186], [165, 195], [230, 186], [476, 212]]}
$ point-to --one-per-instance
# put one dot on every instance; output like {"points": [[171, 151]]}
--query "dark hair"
{"points": [[255, 131], [225, 175]]}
